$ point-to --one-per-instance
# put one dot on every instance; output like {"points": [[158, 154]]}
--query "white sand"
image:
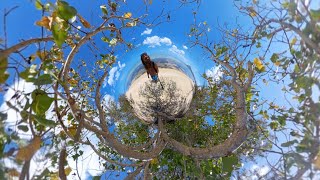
{"points": [[183, 82]]}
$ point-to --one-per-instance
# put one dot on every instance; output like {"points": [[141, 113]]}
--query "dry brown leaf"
{"points": [[26, 153], [44, 22], [13, 173], [84, 22]]}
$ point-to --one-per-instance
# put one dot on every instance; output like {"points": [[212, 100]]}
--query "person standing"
{"points": [[150, 66]]}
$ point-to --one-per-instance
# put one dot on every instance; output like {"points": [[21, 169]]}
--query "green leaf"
{"points": [[29, 73], [3, 77], [3, 116], [105, 39], [65, 11], [3, 67], [274, 57], [23, 128], [114, 6], [3, 64], [43, 121], [289, 143], [59, 35], [315, 14], [38, 4], [104, 9], [228, 164], [96, 177], [43, 79], [41, 101], [274, 125]]}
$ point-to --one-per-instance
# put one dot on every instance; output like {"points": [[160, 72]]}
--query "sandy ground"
{"points": [[183, 82]]}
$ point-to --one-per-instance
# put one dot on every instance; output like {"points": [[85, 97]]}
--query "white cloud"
{"points": [[146, 32], [114, 74], [174, 49], [157, 41], [261, 170], [107, 99], [185, 47], [19, 87], [215, 73]]}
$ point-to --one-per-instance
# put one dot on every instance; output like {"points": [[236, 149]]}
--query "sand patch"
{"points": [[183, 83]]}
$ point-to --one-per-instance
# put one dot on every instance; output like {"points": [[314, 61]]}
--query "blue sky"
{"points": [[168, 39]]}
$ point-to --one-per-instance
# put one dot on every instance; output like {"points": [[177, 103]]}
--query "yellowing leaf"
{"points": [[258, 63], [128, 15], [67, 171], [84, 22], [72, 130], [277, 63], [316, 162], [293, 41], [44, 22], [253, 14], [26, 153], [42, 55], [154, 161], [38, 5], [72, 82]]}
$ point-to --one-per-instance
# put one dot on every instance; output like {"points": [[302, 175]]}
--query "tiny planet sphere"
{"points": [[173, 75]]}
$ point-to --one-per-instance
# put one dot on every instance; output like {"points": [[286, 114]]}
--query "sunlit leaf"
{"points": [[29, 74], [130, 24], [59, 35], [257, 62], [41, 101], [72, 130], [127, 15], [293, 41], [113, 42], [38, 4], [67, 171], [104, 9], [65, 11], [73, 82], [105, 39], [42, 55]]}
